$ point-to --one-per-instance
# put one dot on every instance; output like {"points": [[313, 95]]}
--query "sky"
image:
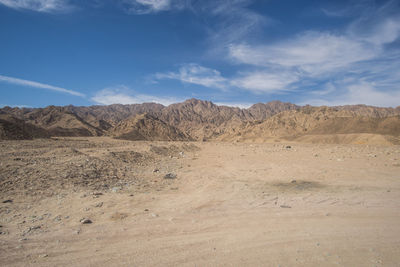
{"points": [[230, 52]]}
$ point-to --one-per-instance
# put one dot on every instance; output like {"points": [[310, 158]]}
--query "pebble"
{"points": [[86, 221], [8, 201], [286, 206], [115, 189], [170, 176], [99, 205]]}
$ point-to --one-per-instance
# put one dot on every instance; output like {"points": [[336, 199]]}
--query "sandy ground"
{"points": [[231, 204]]}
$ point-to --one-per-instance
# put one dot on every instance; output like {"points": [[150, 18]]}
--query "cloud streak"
{"points": [[22, 82], [142, 7], [196, 74], [46, 6], [123, 95]]}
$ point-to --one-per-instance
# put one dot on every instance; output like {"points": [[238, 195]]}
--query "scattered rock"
{"points": [[286, 207], [86, 221], [170, 176], [116, 189], [293, 181], [8, 201], [156, 170], [43, 256], [146, 209], [97, 194], [99, 205], [117, 216], [288, 147], [31, 229]]}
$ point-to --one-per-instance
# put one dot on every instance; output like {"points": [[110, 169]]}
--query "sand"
{"points": [[231, 204]]}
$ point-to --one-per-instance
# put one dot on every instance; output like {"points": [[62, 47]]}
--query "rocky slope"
{"points": [[13, 128], [147, 127], [203, 120]]}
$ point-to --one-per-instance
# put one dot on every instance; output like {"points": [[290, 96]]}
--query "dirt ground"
{"points": [[230, 204]]}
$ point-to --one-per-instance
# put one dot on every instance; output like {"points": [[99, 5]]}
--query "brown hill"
{"points": [[313, 121], [147, 127], [203, 120], [15, 129]]}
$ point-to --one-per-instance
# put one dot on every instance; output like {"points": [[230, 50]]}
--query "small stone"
{"points": [[288, 147], [86, 221], [170, 176], [8, 201], [285, 206], [146, 209], [156, 170], [43, 256], [115, 189], [99, 205], [154, 215], [293, 181]]}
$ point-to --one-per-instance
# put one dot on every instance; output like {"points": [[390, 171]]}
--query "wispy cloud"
{"points": [[47, 6], [234, 104], [196, 74], [265, 81], [231, 21], [357, 65], [141, 7], [123, 95], [357, 93], [311, 52], [38, 85]]}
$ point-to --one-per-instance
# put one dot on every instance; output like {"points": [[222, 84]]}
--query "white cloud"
{"points": [[357, 93], [265, 81], [234, 104], [38, 85], [47, 6], [311, 52], [123, 95], [141, 7], [235, 22], [196, 74]]}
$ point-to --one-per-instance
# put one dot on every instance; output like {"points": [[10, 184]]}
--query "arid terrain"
{"points": [[99, 201]]}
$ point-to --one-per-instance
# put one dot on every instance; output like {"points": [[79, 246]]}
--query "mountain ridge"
{"points": [[196, 119]]}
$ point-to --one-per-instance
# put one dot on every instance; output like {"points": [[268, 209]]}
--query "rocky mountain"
{"points": [[16, 129], [203, 120], [292, 124], [147, 127]]}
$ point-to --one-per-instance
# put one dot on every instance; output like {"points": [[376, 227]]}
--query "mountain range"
{"points": [[200, 120]]}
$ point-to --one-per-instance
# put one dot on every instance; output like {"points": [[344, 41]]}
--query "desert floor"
{"points": [[231, 204]]}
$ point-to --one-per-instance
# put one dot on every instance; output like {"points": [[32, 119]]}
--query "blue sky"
{"points": [[232, 52]]}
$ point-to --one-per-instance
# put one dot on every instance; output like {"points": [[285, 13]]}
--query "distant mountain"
{"points": [[196, 119], [147, 127], [16, 129]]}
